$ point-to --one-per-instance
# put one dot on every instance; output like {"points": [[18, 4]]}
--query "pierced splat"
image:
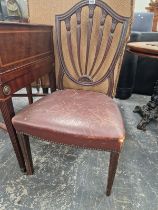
{"points": [[84, 72]]}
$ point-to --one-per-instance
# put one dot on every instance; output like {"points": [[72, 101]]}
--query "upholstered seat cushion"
{"points": [[74, 117]]}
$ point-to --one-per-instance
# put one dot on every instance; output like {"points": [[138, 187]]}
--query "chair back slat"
{"points": [[100, 36], [78, 17], [69, 43], [89, 33], [109, 42]]}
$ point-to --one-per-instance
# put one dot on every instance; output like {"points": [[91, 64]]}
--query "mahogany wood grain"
{"points": [[26, 54], [7, 113]]}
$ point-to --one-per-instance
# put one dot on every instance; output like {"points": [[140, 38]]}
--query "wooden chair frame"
{"points": [[86, 78]]}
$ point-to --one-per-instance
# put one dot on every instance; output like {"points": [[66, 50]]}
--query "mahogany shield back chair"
{"points": [[90, 40]]}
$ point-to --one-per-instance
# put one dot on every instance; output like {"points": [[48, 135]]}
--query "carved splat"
{"points": [[88, 74]]}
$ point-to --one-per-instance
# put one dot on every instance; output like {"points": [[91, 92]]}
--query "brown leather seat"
{"points": [[75, 117]]}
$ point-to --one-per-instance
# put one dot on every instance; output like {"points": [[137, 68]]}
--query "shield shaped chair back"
{"points": [[91, 39]]}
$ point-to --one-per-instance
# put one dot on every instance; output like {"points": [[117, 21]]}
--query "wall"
{"points": [[43, 11], [141, 4], [24, 7]]}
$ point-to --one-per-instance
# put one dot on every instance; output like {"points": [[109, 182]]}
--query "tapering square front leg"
{"points": [[25, 147], [114, 156]]}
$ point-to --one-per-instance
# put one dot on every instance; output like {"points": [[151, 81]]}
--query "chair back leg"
{"points": [[25, 147], [114, 156], [29, 93]]}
